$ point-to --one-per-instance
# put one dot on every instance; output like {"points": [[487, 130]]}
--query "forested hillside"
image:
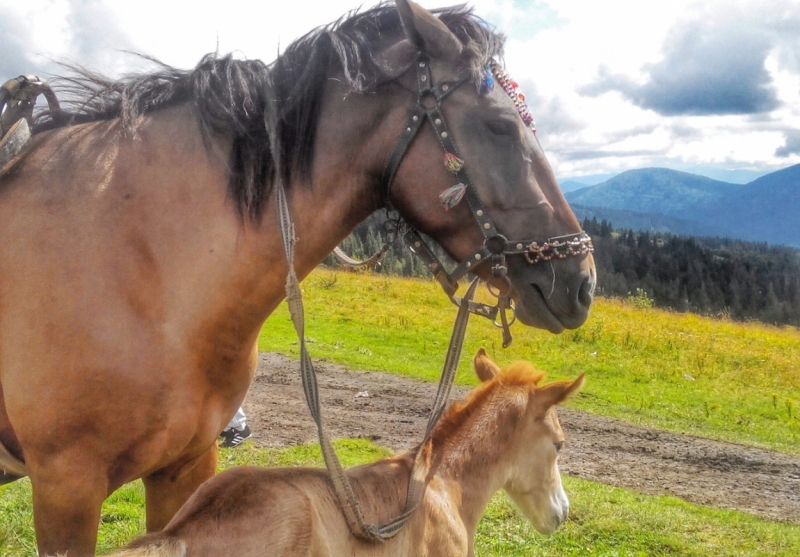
{"points": [[702, 275], [764, 210]]}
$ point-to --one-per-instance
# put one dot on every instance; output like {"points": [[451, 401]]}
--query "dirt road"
{"points": [[394, 410]]}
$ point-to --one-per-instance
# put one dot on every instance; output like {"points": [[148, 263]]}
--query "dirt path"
{"points": [[394, 412]]}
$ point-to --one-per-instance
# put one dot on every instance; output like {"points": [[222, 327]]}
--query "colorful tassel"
{"points": [[451, 197], [453, 163]]}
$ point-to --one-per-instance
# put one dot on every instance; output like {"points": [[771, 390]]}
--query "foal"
{"points": [[505, 435]]}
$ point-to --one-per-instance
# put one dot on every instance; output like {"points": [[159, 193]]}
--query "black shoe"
{"points": [[234, 437]]}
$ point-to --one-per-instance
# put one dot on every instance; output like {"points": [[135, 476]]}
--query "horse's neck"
{"points": [[341, 189]]}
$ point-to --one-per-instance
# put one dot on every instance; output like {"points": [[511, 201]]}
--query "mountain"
{"points": [[652, 222], [587, 180], [655, 190], [736, 176], [764, 210], [572, 185]]}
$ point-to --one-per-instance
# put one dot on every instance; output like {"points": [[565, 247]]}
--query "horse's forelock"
{"points": [[521, 373]]}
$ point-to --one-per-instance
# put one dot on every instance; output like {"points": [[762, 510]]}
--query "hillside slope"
{"points": [[764, 210]]}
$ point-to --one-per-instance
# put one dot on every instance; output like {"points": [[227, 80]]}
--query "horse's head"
{"points": [[534, 482], [467, 107]]}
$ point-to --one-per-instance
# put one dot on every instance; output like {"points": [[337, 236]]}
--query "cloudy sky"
{"points": [[709, 86]]}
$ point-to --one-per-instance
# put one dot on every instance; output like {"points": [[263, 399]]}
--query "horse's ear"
{"points": [[485, 368], [427, 32], [557, 392], [397, 58]]}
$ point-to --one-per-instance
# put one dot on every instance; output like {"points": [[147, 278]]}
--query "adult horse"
{"points": [[141, 249]]}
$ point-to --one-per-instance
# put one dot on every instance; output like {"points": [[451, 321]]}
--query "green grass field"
{"points": [[681, 372], [604, 521]]}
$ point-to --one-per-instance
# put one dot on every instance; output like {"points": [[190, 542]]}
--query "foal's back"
{"points": [[289, 512]]}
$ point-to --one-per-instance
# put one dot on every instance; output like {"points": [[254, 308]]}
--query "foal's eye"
{"points": [[502, 127]]}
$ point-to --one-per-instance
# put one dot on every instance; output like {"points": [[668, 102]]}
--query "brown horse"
{"points": [[505, 435], [141, 253]]}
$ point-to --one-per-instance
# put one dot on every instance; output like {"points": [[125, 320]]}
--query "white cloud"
{"points": [[555, 48]]}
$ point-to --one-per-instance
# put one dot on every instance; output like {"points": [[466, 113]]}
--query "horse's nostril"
{"points": [[586, 291]]}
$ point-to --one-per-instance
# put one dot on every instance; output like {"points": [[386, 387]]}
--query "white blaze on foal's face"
{"points": [[535, 483]]}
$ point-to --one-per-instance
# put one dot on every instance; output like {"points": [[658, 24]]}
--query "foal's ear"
{"points": [[557, 392], [427, 32], [485, 368]]}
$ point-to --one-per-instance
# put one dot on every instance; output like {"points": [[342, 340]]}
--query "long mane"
{"points": [[231, 97]]}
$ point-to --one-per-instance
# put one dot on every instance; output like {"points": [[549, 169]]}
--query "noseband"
{"points": [[495, 246]]}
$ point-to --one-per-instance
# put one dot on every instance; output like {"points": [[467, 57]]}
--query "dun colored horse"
{"points": [[141, 252], [505, 435]]}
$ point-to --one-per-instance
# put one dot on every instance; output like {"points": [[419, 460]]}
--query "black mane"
{"points": [[230, 97]]}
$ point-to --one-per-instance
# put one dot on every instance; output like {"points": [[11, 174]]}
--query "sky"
{"points": [[711, 87]]}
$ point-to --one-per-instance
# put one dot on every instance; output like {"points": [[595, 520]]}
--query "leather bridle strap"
{"points": [[428, 107]]}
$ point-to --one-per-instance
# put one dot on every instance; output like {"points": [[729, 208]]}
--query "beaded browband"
{"points": [[512, 89]]}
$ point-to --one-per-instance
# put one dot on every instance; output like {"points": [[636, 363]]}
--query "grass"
{"points": [[710, 377], [607, 521], [604, 521], [681, 372]]}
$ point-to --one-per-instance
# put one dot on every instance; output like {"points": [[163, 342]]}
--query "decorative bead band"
{"points": [[554, 249], [512, 89]]}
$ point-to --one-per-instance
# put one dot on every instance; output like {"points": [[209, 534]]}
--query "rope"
{"points": [[351, 263]]}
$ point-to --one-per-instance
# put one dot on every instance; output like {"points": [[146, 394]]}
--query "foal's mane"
{"points": [[230, 97], [519, 374]]}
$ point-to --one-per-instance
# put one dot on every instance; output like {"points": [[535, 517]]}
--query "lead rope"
{"points": [[421, 466]]}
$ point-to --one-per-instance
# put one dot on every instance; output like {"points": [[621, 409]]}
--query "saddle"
{"points": [[17, 100]]}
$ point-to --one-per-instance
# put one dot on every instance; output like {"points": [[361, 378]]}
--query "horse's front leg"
{"points": [[168, 489], [68, 493]]}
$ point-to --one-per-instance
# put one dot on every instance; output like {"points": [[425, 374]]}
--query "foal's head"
{"points": [[533, 481]]}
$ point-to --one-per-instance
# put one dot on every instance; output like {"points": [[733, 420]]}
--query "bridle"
{"points": [[495, 246]]}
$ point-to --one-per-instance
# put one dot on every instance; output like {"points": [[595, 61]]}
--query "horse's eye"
{"points": [[502, 127]]}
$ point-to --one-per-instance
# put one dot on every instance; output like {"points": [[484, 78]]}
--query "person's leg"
{"points": [[239, 420], [236, 431]]}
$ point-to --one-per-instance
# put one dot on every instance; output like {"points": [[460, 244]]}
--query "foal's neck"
{"points": [[478, 457]]}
